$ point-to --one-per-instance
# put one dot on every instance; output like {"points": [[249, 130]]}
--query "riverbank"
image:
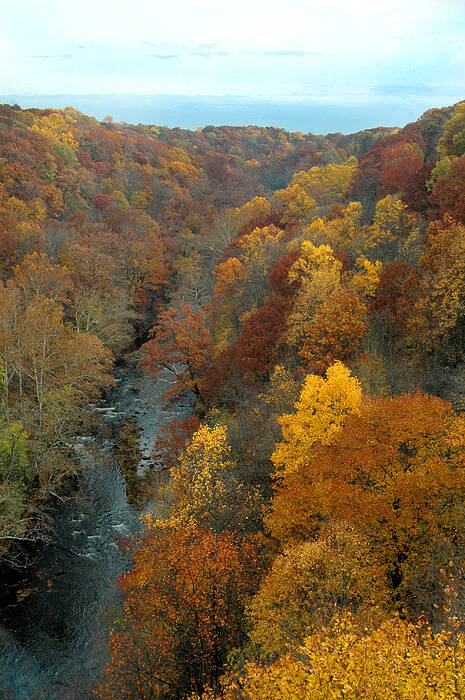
{"points": [[53, 641]]}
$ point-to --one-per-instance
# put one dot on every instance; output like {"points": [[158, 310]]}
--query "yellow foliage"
{"points": [[327, 184], [253, 243], [227, 295], [365, 281], [228, 274], [319, 416], [318, 274], [224, 335], [35, 210], [348, 230], [310, 583], [371, 371], [206, 490], [294, 202], [179, 155], [258, 206], [316, 231], [335, 332], [438, 305], [396, 661], [197, 480], [140, 199], [393, 222], [311, 261], [345, 232], [281, 389], [260, 249], [58, 128], [184, 171], [452, 141]]}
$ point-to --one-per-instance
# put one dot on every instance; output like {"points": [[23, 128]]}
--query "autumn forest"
{"points": [[301, 525]]}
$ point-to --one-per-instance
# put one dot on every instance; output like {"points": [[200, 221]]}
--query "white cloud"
{"points": [[252, 46]]}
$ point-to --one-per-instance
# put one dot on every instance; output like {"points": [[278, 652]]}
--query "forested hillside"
{"points": [[101, 224], [306, 530]]}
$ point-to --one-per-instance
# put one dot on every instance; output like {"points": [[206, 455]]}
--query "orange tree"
{"points": [[396, 471], [181, 345], [183, 612], [336, 332]]}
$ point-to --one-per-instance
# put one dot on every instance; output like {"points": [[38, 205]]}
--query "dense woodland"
{"points": [[308, 539]]}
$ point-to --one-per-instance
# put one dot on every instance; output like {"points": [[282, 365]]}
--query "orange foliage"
{"points": [[180, 345], [183, 612], [336, 331], [397, 472]]}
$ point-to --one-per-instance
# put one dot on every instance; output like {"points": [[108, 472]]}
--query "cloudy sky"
{"points": [[323, 49]]}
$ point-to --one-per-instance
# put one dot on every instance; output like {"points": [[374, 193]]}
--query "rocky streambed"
{"points": [[53, 640]]}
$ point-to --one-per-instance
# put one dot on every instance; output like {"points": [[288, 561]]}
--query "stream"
{"points": [[53, 642]]}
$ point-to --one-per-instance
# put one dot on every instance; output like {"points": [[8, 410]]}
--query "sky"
{"points": [[334, 51]]}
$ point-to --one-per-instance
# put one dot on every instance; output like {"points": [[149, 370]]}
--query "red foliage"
{"points": [[181, 346], [400, 165], [279, 275], [383, 160], [393, 295], [172, 439], [449, 191], [258, 343], [335, 333], [261, 221], [344, 259], [101, 201], [85, 159], [415, 195], [140, 158], [102, 169], [183, 613]]}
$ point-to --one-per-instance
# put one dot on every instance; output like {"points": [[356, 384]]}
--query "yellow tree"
{"points": [[259, 251], [336, 331], [328, 184], [56, 357], [320, 413], [396, 471], [206, 490], [258, 206], [58, 128], [311, 582], [294, 203], [452, 141], [37, 275], [317, 274], [393, 224], [10, 342], [342, 232], [282, 390], [365, 279], [182, 613], [439, 307], [394, 661], [227, 306]]}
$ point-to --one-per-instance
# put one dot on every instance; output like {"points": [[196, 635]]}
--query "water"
{"points": [[58, 646], [53, 643], [291, 113]]}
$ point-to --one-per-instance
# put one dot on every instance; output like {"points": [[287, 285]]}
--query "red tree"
{"points": [[258, 343]]}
